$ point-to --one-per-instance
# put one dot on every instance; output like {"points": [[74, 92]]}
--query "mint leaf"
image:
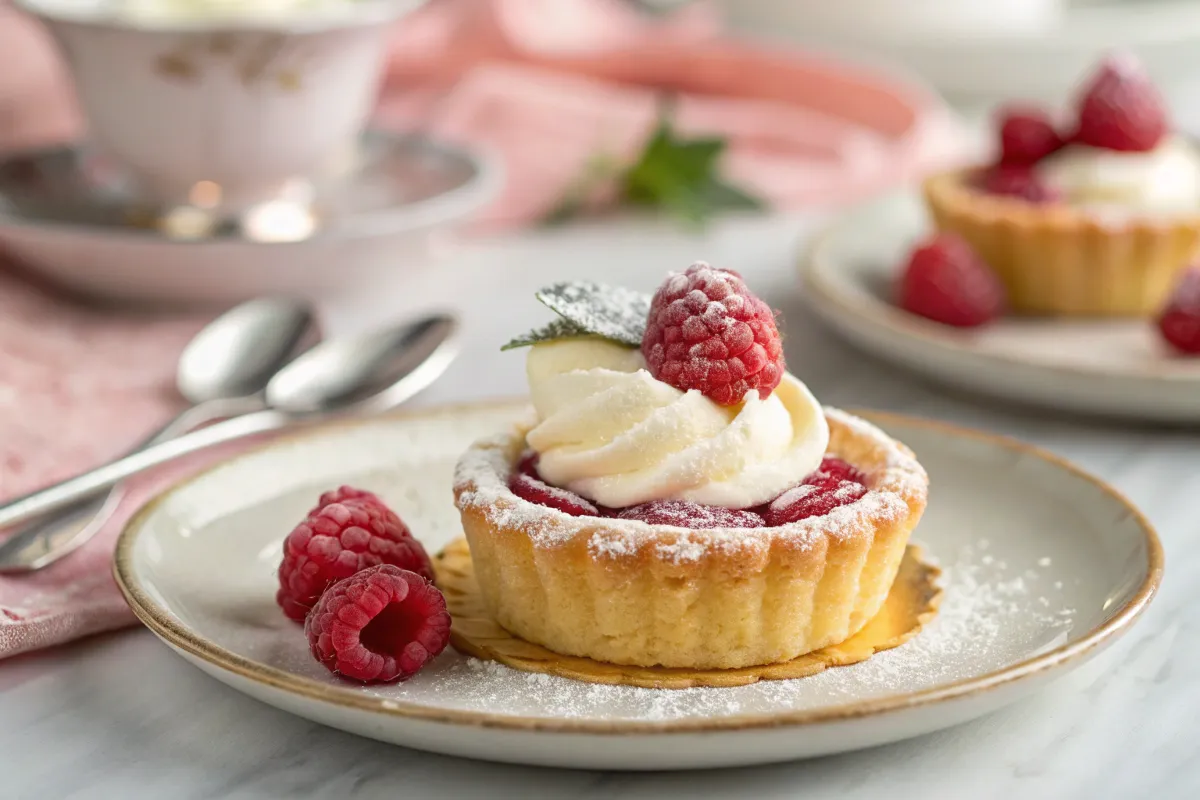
{"points": [[611, 312], [558, 329], [673, 174]]}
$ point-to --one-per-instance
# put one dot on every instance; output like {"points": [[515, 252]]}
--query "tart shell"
{"points": [[1060, 260], [626, 592]]}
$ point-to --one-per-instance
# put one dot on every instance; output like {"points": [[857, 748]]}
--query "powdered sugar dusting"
{"points": [[988, 619], [481, 480], [792, 495]]}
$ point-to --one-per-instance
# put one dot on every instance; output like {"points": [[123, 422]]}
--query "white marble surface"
{"points": [[121, 716]]}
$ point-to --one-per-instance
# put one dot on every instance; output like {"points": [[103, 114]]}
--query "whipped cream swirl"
{"points": [[609, 431], [1163, 180]]}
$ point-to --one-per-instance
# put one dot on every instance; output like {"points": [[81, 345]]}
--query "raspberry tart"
{"points": [[677, 498], [1094, 217]]}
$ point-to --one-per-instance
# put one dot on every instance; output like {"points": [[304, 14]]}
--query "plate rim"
{"points": [[814, 264], [182, 638], [456, 203]]}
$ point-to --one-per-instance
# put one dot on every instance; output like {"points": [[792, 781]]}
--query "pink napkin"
{"points": [[544, 84], [547, 84]]}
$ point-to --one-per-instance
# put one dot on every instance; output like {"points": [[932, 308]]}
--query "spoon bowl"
{"points": [[375, 369], [237, 353]]}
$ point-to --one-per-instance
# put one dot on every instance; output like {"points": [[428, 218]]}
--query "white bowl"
{"points": [[243, 101]]}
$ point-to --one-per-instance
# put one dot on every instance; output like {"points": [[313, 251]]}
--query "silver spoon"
{"points": [[355, 375], [221, 372]]}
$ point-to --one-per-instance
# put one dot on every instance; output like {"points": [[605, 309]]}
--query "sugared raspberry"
{"points": [[1121, 109], [838, 469], [685, 514], [1018, 181], [344, 493], [1026, 136], [812, 500], [707, 331], [336, 541], [538, 491], [946, 282], [379, 625], [1179, 321]]}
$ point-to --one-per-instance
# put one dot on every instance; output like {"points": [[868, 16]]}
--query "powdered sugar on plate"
{"points": [[988, 619]]}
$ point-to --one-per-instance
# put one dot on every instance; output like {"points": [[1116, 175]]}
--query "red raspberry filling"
{"points": [[337, 540], [685, 514], [382, 624], [1018, 181], [538, 491], [707, 331], [834, 484], [812, 500], [839, 469]]}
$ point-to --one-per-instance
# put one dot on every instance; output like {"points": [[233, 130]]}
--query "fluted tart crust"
{"points": [[626, 592]]}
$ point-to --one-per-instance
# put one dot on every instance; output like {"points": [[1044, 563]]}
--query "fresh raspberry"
{"points": [[338, 540], [1179, 321], [686, 514], [379, 625], [837, 469], [1026, 136], [1121, 109], [946, 282], [538, 491], [707, 331], [1018, 181], [344, 493]]}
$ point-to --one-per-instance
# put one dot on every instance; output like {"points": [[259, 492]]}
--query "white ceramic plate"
{"points": [[1114, 368], [1044, 566]]}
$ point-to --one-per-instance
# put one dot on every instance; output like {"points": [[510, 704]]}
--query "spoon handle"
{"points": [[89, 483], [47, 538]]}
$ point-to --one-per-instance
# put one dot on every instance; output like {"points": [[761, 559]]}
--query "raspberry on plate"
{"points": [[707, 331], [344, 493], [337, 540], [537, 491], [945, 281], [1121, 109], [1014, 180], [1179, 321], [1026, 136], [685, 514], [379, 625]]}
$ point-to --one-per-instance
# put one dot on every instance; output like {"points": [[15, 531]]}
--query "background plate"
{"points": [[1116, 368]]}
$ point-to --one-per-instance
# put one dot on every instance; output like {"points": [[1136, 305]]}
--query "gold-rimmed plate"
{"points": [[1044, 566]]}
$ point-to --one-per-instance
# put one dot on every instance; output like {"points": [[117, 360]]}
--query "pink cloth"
{"points": [[77, 387], [546, 85]]}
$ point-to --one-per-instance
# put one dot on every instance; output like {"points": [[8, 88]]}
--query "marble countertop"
{"points": [[121, 716]]}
